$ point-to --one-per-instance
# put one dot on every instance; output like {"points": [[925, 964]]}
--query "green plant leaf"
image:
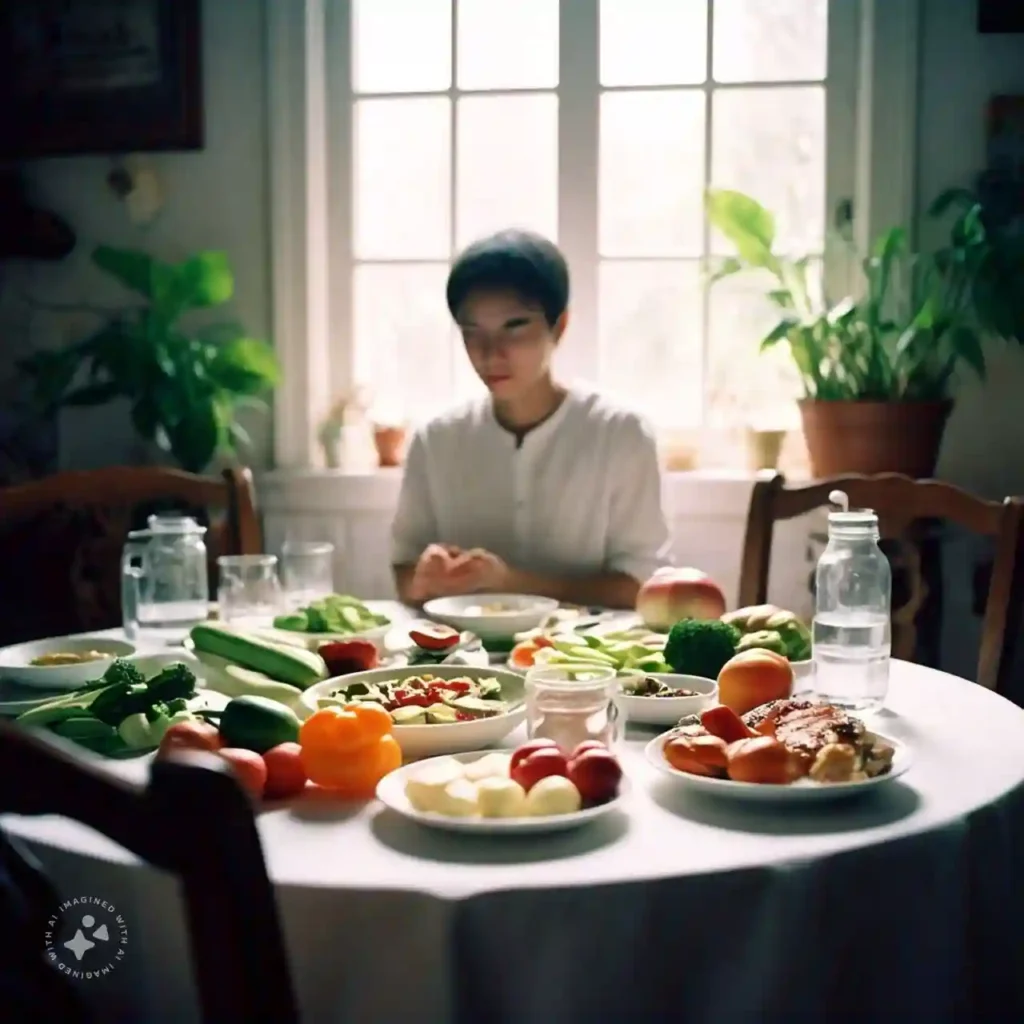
{"points": [[967, 346], [133, 268], [779, 332], [729, 266], [245, 366], [206, 279], [951, 198], [195, 438], [746, 224]]}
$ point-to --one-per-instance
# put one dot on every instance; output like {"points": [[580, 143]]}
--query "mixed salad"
{"points": [[425, 699], [648, 686]]}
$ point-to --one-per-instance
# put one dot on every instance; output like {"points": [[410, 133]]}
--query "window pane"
{"points": [[770, 40], [649, 338], [651, 173], [507, 165], [401, 45], [507, 44], [653, 42], [401, 179], [770, 143], [403, 338], [745, 387]]}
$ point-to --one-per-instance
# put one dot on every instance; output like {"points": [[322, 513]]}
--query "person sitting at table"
{"points": [[538, 488]]}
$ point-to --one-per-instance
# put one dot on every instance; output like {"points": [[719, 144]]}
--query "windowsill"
{"points": [[699, 493]]}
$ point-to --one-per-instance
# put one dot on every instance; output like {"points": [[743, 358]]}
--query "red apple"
{"points": [[539, 765], [530, 747], [596, 774], [674, 594]]}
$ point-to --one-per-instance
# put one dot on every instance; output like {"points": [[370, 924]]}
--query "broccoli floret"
{"points": [[122, 673], [173, 681], [698, 647]]}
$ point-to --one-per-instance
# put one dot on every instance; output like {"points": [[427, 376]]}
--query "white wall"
{"points": [[960, 70], [216, 199]]}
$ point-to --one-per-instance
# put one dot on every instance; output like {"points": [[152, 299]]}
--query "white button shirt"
{"points": [[580, 496]]}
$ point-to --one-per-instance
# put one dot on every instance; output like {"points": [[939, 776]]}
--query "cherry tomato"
{"points": [[528, 748], [190, 736], [249, 769], [285, 775]]}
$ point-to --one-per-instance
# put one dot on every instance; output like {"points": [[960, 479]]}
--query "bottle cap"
{"points": [[843, 517]]}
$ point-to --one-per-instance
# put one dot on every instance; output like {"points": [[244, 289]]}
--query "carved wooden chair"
{"points": [[61, 540], [194, 821], [901, 503]]}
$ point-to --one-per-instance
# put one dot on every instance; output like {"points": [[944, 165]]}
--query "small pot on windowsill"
{"points": [[390, 444], [764, 448]]}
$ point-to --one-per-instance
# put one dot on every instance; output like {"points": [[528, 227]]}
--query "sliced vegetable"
{"points": [[284, 663], [434, 637], [336, 613]]}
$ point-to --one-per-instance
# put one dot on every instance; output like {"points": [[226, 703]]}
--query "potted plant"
{"points": [[878, 370], [184, 384]]}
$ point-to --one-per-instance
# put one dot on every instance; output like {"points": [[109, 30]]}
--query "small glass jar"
{"points": [[249, 592], [307, 571], [572, 703]]}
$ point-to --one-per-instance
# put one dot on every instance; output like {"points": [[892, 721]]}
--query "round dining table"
{"points": [[904, 904]]}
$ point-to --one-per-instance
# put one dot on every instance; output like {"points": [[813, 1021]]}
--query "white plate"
{"points": [[801, 791], [520, 613], [16, 700], [418, 741], [312, 641], [391, 793], [668, 710], [15, 662]]}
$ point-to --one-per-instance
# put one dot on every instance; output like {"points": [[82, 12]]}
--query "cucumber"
{"points": [[287, 664]]}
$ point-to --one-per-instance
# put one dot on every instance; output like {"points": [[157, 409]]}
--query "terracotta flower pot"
{"points": [[874, 437], [390, 442]]}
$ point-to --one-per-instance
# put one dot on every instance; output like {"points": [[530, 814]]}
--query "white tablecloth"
{"points": [[905, 906]]}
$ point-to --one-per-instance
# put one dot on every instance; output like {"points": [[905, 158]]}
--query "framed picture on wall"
{"points": [[998, 17], [99, 76]]}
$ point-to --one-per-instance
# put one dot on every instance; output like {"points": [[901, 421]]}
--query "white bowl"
{"points": [[15, 662], [419, 741], [519, 613], [803, 676], [668, 710]]}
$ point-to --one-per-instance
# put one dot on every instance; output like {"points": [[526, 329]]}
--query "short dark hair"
{"points": [[521, 261]]}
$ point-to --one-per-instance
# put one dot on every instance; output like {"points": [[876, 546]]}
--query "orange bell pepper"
{"points": [[349, 749]]}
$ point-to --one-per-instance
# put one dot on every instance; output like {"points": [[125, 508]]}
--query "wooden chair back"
{"points": [[900, 503], [61, 540], [194, 821]]}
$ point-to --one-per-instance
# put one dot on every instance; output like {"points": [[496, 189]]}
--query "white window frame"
{"points": [[871, 103]]}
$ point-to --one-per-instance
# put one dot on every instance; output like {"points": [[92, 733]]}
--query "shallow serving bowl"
{"points": [[492, 616], [419, 741], [16, 662], [668, 710]]}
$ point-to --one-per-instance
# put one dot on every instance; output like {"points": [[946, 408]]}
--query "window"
{"points": [[599, 123]]}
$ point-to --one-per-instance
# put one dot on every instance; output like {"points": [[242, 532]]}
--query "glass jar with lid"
{"points": [[853, 596]]}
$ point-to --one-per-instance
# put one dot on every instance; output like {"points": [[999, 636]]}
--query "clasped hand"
{"points": [[444, 570]]}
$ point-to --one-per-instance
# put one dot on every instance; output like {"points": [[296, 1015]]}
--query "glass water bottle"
{"points": [[853, 597]]}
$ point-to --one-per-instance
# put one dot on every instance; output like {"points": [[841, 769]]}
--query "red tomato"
{"points": [[190, 736], [249, 769], [596, 774], [528, 748], [539, 765], [285, 775]]}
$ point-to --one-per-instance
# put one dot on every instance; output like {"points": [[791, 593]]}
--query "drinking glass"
{"points": [[249, 593], [572, 703], [307, 571]]}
